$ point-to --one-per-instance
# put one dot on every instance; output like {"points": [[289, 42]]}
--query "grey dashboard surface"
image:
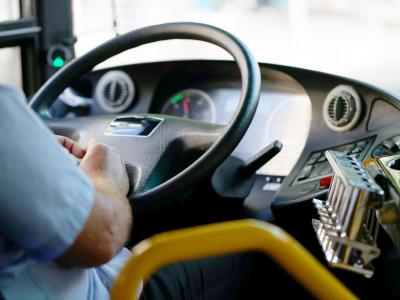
{"points": [[291, 109], [283, 113]]}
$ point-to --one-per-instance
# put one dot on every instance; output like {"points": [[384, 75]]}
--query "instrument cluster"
{"points": [[192, 104]]}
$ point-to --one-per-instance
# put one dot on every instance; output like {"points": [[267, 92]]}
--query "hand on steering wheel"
{"points": [[151, 158]]}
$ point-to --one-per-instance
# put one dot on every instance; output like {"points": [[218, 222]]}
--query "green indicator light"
{"points": [[58, 62], [175, 99]]}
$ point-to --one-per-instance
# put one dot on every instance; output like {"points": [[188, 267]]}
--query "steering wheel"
{"points": [[149, 143]]}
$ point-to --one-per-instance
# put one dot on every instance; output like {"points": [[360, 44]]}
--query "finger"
{"points": [[71, 146], [74, 148]]}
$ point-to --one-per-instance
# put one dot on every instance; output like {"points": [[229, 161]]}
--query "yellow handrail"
{"points": [[224, 238]]}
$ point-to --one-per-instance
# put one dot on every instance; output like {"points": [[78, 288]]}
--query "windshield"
{"points": [[353, 38]]}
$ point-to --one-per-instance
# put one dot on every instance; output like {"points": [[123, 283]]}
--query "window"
{"points": [[10, 58], [355, 38], [9, 10], [10, 70]]}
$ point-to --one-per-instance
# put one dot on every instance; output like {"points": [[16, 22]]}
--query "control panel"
{"points": [[317, 166]]}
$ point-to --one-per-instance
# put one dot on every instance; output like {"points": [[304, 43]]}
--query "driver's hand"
{"points": [[105, 168], [71, 146]]}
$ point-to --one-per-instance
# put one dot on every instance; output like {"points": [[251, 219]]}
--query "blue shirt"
{"points": [[45, 201]]}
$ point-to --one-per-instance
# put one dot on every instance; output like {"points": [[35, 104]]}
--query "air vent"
{"points": [[342, 108], [115, 91]]}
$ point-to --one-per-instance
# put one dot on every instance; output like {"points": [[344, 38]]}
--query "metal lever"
{"points": [[347, 227]]}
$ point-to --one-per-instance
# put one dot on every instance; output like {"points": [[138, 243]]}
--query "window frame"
{"points": [[40, 26]]}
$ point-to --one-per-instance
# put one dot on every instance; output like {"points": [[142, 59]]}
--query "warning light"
{"points": [[58, 56], [58, 62]]}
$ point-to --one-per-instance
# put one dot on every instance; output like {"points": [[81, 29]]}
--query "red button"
{"points": [[325, 182]]}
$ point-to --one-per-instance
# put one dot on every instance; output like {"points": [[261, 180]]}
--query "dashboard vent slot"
{"points": [[342, 108], [115, 91], [338, 109]]}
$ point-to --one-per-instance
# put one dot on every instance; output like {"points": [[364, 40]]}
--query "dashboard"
{"points": [[308, 111], [204, 91]]}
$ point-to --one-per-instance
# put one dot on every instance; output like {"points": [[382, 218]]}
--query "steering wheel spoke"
{"points": [[194, 134], [79, 129]]}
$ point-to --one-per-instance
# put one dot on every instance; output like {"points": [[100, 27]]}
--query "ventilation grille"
{"points": [[115, 91], [342, 108], [338, 109]]}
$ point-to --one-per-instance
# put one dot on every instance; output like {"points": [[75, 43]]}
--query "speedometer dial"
{"points": [[192, 104]]}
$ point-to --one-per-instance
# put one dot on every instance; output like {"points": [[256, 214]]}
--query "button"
{"points": [[360, 147], [325, 182], [317, 170], [313, 159], [357, 149], [340, 149], [326, 171], [349, 148], [362, 144], [321, 169], [305, 173]]}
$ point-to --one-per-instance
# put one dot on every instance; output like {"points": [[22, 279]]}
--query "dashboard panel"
{"points": [[205, 91], [308, 111], [306, 180]]}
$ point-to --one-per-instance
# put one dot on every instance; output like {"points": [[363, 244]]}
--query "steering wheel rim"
{"points": [[160, 195]]}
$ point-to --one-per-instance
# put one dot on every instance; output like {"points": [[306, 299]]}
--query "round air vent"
{"points": [[115, 91], [342, 108]]}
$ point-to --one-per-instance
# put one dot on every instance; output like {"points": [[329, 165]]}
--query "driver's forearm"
{"points": [[105, 232]]}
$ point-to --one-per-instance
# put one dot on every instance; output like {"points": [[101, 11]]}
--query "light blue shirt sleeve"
{"points": [[45, 199]]}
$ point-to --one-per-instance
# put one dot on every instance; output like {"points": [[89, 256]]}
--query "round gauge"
{"points": [[192, 104]]}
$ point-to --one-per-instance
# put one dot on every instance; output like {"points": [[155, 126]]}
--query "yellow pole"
{"points": [[224, 238]]}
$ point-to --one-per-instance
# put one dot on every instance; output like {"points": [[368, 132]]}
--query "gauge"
{"points": [[192, 104]]}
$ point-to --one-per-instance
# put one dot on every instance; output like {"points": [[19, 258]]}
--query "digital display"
{"points": [[283, 116]]}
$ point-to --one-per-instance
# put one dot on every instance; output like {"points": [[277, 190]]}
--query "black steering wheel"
{"points": [[151, 158]]}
